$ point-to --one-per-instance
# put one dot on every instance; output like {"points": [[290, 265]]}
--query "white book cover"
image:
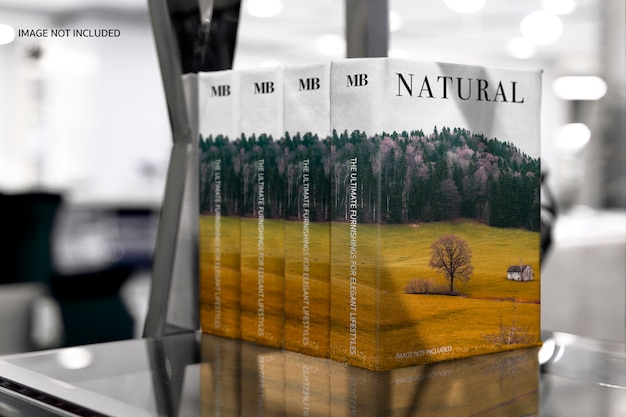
{"points": [[435, 211]]}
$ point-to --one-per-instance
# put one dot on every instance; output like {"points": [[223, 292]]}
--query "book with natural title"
{"points": [[435, 211]]}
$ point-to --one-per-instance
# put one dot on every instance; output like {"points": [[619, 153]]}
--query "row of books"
{"points": [[343, 205], [246, 379]]}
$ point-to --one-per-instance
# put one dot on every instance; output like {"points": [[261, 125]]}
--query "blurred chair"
{"points": [[95, 250], [29, 318], [26, 223], [40, 306], [549, 215], [92, 308]]}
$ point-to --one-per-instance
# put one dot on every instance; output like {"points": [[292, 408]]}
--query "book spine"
{"points": [[262, 191], [307, 193], [356, 87], [219, 223]]}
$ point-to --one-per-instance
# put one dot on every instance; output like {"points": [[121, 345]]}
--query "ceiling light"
{"points": [[331, 45], [541, 27], [7, 34], [579, 87], [465, 6], [264, 8], [520, 48], [559, 6], [573, 137], [395, 21]]}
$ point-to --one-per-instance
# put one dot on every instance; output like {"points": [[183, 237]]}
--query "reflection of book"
{"points": [[307, 229], [307, 385], [262, 381], [500, 384], [357, 392], [220, 378], [262, 193], [219, 241], [435, 194]]}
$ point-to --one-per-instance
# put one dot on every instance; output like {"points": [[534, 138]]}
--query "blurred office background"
{"points": [[85, 119]]}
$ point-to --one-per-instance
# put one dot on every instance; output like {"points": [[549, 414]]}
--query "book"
{"points": [[219, 203], [435, 195], [307, 210], [262, 193]]}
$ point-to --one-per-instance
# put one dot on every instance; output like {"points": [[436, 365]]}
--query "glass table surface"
{"points": [[193, 374]]}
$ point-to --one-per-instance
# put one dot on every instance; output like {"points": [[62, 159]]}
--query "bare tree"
{"points": [[452, 257]]}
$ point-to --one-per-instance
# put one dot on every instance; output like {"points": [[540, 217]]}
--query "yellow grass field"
{"points": [[416, 329], [262, 292], [412, 329], [220, 289], [307, 318]]}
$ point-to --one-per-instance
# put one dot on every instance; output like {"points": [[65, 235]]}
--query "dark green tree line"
{"points": [[223, 153], [298, 149], [411, 177]]}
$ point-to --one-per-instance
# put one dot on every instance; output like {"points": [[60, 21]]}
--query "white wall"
{"points": [[7, 113], [17, 95], [99, 121]]}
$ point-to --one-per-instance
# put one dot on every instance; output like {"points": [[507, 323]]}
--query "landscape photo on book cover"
{"points": [[262, 238], [219, 234], [437, 232], [307, 243]]}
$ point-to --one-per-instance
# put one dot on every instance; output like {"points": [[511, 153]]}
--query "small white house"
{"points": [[520, 273]]}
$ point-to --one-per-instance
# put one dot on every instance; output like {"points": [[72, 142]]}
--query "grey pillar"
{"points": [[168, 233], [367, 28], [190, 36], [605, 183]]}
